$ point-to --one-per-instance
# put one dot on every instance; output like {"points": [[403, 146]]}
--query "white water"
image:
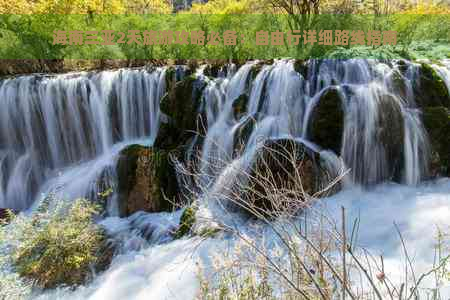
{"points": [[170, 271], [285, 107], [48, 124], [87, 119]]}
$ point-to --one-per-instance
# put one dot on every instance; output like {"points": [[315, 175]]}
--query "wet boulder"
{"points": [[437, 123], [391, 134], [181, 108], [283, 169], [146, 180], [429, 89], [327, 121], [374, 141]]}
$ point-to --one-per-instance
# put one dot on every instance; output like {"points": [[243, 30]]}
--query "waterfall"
{"points": [[51, 123], [63, 134], [51, 126], [383, 137]]}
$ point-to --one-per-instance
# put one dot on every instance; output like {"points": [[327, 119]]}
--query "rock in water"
{"points": [[437, 122], [181, 105], [283, 169], [145, 178], [391, 134], [430, 90], [327, 121]]}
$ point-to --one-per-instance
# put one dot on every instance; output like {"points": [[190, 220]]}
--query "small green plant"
{"points": [[187, 220], [57, 246]]}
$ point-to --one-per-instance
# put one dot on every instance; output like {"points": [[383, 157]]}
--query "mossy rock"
{"points": [[327, 121], [391, 134], [146, 177], [430, 90], [170, 77], [437, 123], [182, 106], [187, 220]]}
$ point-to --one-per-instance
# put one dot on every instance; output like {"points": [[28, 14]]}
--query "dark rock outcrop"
{"points": [[181, 107], [327, 121], [391, 134], [240, 105], [437, 123], [146, 178], [283, 168], [301, 66], [430, 90]]}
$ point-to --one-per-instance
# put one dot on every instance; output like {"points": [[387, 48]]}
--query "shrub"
{"points": [[57, 246]]}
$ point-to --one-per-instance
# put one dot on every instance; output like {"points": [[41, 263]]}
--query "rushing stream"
{"points": [[63, 132]]}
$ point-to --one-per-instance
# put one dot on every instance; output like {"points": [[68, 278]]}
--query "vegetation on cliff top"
{"points": [[31, 37]]}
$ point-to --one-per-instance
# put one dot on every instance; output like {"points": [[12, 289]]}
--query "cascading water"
{"points": [[76, 125], [282, 101], [50, 123]]}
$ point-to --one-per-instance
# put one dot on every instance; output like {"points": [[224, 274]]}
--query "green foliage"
{"points": [[54, 246], [186, 222], [31, 36]]}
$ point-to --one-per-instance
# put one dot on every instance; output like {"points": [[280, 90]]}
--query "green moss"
{"points": [[437, 122], [127, 165], [166, 178], [391, 133], [187, 220], [431, 90]]}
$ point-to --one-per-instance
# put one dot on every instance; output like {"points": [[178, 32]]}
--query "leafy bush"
{"points": [[57, 246]]}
